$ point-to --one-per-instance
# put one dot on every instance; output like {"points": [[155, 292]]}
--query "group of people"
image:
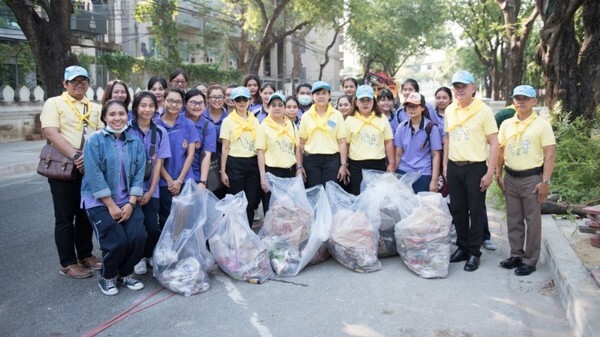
{"points": [[132, 162]]}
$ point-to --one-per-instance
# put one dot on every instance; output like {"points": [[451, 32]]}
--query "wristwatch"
{"points": [[546, 181], [76, 156], [132, 205]]}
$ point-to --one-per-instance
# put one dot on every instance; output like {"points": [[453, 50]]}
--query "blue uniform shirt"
{"points": [[181, 134]]}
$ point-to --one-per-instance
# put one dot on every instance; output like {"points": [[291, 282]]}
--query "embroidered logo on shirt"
{"points": [[184, 144]]}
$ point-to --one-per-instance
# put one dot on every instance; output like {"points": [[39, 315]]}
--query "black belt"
{"points": [[524, 173], [465, 162]]}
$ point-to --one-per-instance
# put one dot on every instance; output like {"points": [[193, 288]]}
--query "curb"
{"points": [[18, 169], [579, 294]]}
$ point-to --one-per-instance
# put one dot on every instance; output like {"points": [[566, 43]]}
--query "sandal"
{"points": [[75, 271]]}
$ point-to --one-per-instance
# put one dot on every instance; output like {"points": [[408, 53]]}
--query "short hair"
{"points": [[107, 105], [412, 82], [137, 99], [194, 92], [109, 88], [177, 90], [176, 73], [305, 85], [152, 81]]}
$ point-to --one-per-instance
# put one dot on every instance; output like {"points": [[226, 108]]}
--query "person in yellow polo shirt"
{"points": [[239, 165], [276, 145], [323, 140], [469, 128], [66, 120], [370, 138], [527, 150]]}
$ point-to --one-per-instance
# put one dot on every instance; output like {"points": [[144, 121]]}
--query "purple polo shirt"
{"points": [[439, 121], [261, 114], [208, 142], [181, 134], [217, 125], [254, 107], [162, 147], [122, 195], [393, 121], [416, 158]]}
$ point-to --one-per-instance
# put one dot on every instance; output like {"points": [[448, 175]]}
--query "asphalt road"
{"points": [[323, 300]]}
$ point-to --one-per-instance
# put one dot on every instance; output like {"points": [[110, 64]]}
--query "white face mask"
{"points": [[111, 130], [304, 100]]}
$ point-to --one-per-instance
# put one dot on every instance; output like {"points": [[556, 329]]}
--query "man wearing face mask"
{"points": [[304, 96]]}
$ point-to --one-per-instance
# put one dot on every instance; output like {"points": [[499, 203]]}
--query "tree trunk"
{"points": [[324, 64], [571, 71], [297, 53], [49, 39]]}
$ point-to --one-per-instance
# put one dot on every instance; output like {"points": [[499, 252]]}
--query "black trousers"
{"points": [[281, 173], [467, 205], [321, 168], [244, 176], [72, 229], [151, 224], [356, 167]]}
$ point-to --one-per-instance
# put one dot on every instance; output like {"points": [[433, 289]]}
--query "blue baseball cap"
{"points": [[364, 91], [320, 85], [524, 90], [74, 71], [240, 92], [463, 77], [276, 96]]}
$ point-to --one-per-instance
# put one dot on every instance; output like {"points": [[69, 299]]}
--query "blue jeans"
{"points": [[122, 244]]}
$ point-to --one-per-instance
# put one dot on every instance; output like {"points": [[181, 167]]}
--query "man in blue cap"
{"points": [[66, 120], [527, 150], [469, 128]]}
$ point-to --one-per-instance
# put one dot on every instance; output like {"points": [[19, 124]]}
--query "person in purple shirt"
{"points": [[194, 106], [409, 86], [417, 150], [266, 90], [156, 144], [182, 138], [385, 103], [112, 184], [252, 82]]}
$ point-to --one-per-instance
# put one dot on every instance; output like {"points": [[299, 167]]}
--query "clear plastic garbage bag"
{"points": [[423, 237], [235, 247], [354, 230], [181, 259], [395, 200], [297, 224]]}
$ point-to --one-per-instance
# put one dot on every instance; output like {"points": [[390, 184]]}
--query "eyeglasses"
{"points": [[195, 103], [83, 81], [179, 81], [217, 98], [412, 106], [241, 99], [174, 102]]}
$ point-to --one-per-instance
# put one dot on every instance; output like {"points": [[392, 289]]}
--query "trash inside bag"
{"points": [[354, 230], [237, 250], [395, 199], [423, 237], [296, 225], [181, 259]]}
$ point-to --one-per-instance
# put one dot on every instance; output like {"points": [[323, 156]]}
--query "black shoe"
{"points": [[524, 269], [472, 263], [459, 255], [511, 262]]}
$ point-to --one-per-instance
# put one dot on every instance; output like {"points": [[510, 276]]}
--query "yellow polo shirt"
{"points": [[523, 141], [467, 129], [57, 113], [278, 141], [366, 136], [322, 133], [240, 133]]}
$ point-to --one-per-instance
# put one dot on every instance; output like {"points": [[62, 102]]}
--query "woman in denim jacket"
{"points": [[113, 181]]}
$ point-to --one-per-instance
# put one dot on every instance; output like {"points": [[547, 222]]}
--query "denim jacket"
{"points": [[103, 167]]}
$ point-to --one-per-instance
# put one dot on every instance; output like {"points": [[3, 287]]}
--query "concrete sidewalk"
{"points": [[21, 157], [579, 294]]}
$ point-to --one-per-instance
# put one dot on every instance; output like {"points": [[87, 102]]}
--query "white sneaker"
{"points": [[489, 245], [150, 262], [140, 268]]}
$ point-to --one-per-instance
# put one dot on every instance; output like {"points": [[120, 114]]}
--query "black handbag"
{"points": [[149, 166]]}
